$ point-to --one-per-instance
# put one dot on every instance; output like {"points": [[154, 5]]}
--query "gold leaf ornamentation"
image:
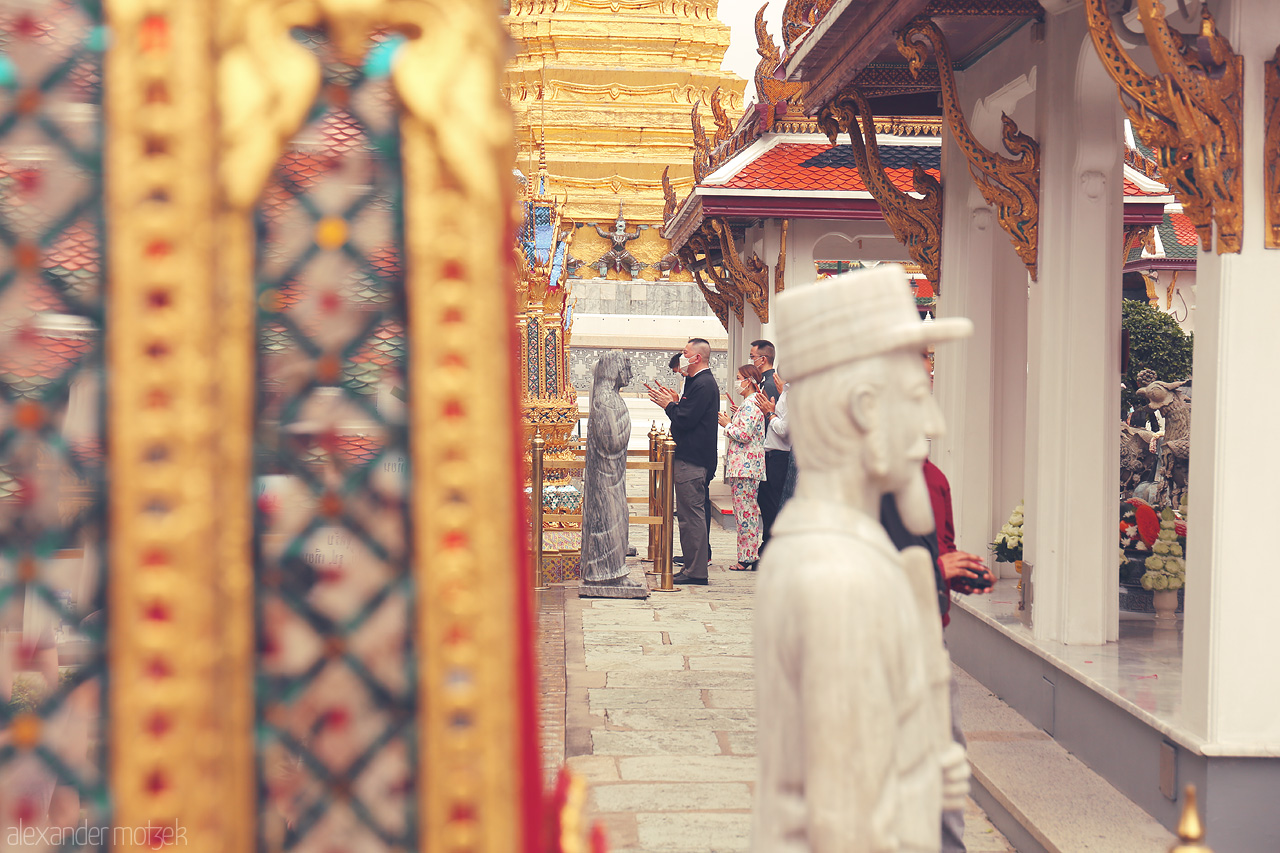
{"points": [[701, 147], [669, 203], [750, 278], [799, 16], [916, 222], [1012, 187], [769, 89], [725, 296], [724, 127], [1271, 150], [1189, 114], [780, 269]]}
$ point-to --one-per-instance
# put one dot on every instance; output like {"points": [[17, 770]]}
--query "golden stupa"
{"points": [[608, 88]]}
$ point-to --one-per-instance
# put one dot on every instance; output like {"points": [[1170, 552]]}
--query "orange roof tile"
{"points": [[1183, 229], [827, 168], [1132, 189]]}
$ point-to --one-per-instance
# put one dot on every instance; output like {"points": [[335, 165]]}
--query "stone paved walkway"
{"points": [[659, 713]]}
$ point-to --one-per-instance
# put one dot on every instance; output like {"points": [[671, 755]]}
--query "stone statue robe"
{"points": [[604, 493], [848, 732]]}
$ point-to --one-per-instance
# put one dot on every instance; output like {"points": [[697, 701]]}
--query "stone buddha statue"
{"points": [[604, 491], [855, 747]]}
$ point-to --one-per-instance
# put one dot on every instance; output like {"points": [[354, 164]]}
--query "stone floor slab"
{"points": [[698, 719], [635, 663], [670, 797], [722, 663], [731, 699], [741, 743], [605, 698], [711, 832], [684, 678], [594, 768], [655, 743], [687, 768]]}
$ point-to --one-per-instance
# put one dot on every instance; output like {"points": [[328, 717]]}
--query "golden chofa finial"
{"points": [[1190, 829]]}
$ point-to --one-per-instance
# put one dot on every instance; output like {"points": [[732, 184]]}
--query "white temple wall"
{"points": [[1231, 679]]}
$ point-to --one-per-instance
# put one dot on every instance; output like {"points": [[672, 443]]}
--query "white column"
{"points": [[1009, 390], [980, 383], [1073, 402], [1231, 675], [963, 370]]}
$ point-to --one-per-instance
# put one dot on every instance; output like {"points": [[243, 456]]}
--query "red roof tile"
{"points": [[803, 166], [1183, 229], [1132, 189]]}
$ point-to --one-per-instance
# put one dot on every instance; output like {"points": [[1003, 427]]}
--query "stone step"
{"points": [[1039, 795]]}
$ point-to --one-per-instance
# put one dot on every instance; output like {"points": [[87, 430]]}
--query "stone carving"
{"points": [[618, 257], [1137, 462], [1174, 403], [849, 647], [604, 492]]}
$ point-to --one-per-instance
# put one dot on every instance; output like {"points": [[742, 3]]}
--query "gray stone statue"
{"points": [[1173, 401], [604, 493]]}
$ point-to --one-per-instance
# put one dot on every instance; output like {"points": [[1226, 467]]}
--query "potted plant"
{"points": [[1007, 545], [1166, 569]]}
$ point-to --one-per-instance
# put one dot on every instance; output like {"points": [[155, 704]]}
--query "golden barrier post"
{"points": [[535, 495], [654, 456], [668, 511], [660, 545]]}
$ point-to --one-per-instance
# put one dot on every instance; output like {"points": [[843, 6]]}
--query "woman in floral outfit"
{"points": [[744, 465]]}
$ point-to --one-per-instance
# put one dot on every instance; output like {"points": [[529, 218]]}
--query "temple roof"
{"points": [[803, 176], [1174, 243], [822, 167]]}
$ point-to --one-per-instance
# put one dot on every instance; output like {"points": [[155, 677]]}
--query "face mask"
{"points": [[684, 362]]}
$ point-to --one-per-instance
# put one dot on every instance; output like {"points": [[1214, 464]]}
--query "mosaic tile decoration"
{"points": [[336, 698], [52, 487]]}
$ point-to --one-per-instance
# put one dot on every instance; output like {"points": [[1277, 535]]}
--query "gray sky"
{"points": [[740, 15]]}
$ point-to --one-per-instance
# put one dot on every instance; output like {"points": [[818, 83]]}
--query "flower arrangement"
{"points": [[1008, 542], [1166, 568], [1128, 528]]}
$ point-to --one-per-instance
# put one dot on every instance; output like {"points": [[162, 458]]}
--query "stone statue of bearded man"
{"points": [[855, 747]]}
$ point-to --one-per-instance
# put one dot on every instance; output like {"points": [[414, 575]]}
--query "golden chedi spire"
{"points": [[609, 85]]}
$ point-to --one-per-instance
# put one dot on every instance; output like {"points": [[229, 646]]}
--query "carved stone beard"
{"points": [[914, 506]]}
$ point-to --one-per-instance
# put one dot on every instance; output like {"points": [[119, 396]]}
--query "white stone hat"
{"points": [[853, 316]]}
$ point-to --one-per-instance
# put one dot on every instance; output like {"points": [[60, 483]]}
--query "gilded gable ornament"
{"points": [[724, 127], [750, 277], [701, 146], [769, 89], [799, 16], [916, 222], [1189, 114], [669, 203], [1271, 149], [1011, 186]]}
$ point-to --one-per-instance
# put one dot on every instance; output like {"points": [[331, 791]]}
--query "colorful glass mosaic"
{"points": [[335, 692], [52, 491]]}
